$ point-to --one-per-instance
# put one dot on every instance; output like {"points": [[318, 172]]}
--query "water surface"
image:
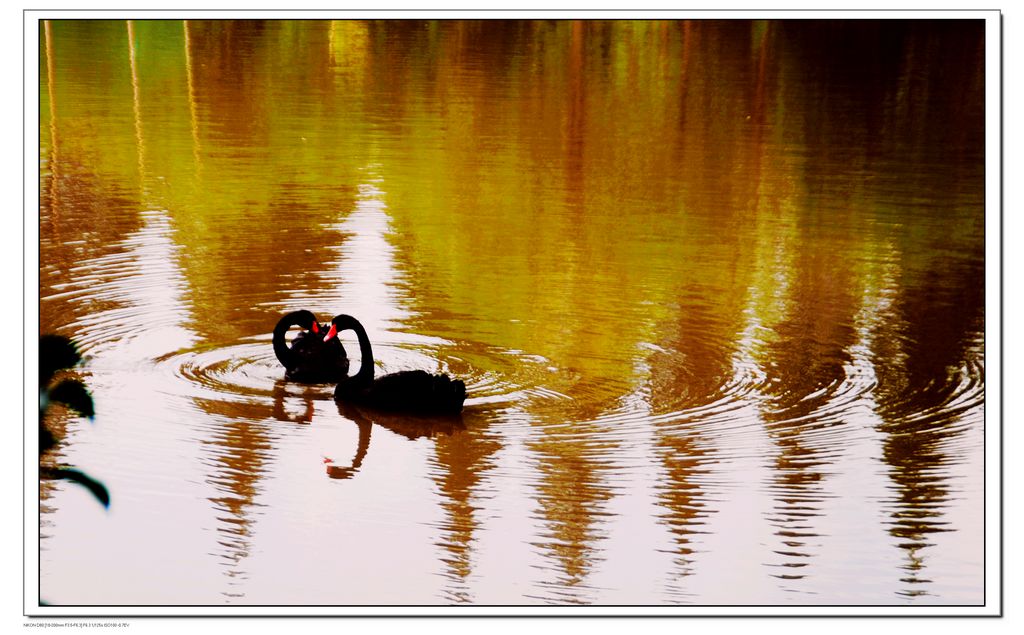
{"points": [[716, 290]]}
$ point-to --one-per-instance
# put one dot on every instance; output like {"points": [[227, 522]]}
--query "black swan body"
{"points": [[309, 358], [413, 391]]}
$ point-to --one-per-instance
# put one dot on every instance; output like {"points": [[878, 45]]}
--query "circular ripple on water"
{"points": [[941, 401], [248, 370], [242, 370], [498, 378]]}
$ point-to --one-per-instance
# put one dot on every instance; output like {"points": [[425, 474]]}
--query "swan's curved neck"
{"points": [[365, 352], [281, 350]]}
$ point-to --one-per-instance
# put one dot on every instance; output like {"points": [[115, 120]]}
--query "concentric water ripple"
{"points": [[249, 369]]}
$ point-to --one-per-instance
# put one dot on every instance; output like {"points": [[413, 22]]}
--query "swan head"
{"points": [[303, 319], [340, 323]]}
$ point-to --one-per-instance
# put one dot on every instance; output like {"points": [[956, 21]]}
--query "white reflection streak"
{"points": [[733, 545], [147, 278], [879, 293], [160, 293], [850, 532], [365, 280], [637, 502]]}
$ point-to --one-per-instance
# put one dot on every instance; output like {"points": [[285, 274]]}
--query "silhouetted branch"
{"points": [[77, 476]]}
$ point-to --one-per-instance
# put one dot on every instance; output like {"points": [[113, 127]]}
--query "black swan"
{"points": [[413, 391], [310, 358]]}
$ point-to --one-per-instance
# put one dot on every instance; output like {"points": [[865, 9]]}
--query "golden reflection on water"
{"points": [[725, 275]]}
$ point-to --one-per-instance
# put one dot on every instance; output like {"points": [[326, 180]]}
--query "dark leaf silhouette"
{"points": [[73, 394], [56, 352], [46, 439]]}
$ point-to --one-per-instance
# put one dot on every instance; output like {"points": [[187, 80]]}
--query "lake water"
{"points": [[716, 289]]}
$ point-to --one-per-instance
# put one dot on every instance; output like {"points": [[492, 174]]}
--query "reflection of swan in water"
{"points": [[262, 409], [280, 393], [409, 427], [309, 358], [339, 471], [413, 391]]}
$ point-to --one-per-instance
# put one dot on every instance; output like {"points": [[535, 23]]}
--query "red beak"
{"points": [[316, 329], [331, 333]]}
